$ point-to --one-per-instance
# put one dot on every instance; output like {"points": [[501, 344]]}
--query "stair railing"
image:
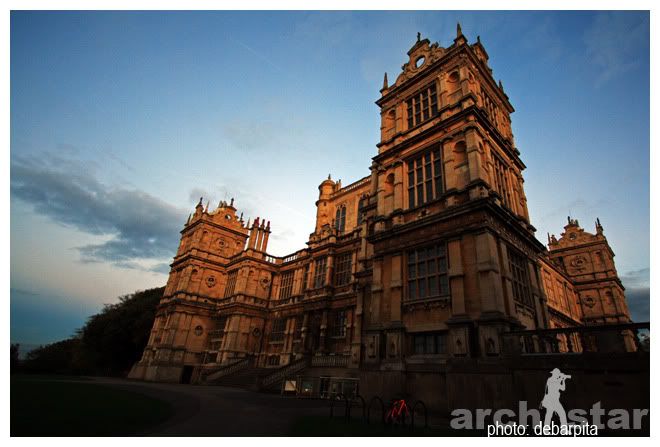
{"points": [[227, 370], [281, 373]]}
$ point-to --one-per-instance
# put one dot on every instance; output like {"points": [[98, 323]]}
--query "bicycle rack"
{"points": [[421, 404], [338, 398], [382, 409], [350, 405]]}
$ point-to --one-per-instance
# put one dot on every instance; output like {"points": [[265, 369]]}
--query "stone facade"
{"points": [[431, 256]]}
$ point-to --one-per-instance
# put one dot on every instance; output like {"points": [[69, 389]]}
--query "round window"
{"points": [[199, 330], [210, 281], [420, 61]]}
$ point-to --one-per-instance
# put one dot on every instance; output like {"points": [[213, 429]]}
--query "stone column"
{"points": [[472, 150], [507, 280], [395, 288], [398, 186], [303, 332], [323, 331], [329, 269], [376, 291], [488, 274], [455, 275]]}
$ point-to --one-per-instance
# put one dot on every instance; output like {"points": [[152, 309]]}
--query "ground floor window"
{"points": [[430, 343]]}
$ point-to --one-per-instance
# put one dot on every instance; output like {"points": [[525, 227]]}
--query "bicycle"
{"points": [[397, 413]]}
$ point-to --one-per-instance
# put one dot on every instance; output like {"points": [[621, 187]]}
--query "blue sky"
{"points": [[121, 120]]}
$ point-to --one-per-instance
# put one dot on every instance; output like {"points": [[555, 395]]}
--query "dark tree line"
{"points": [[108, 344]]}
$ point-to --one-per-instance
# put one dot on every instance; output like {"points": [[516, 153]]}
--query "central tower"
{"points": [[454, 252]]}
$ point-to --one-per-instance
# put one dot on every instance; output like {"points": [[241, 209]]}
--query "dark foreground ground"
{"points": [[78, 406], [72, 406]]}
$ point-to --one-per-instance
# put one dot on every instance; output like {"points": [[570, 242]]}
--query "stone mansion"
{"points": [[430, 257]]}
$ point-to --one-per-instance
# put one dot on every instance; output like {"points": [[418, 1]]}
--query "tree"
{"points": [[109, 343], [113, 340], [14, 350]]}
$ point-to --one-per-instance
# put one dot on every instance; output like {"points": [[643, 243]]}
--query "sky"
{"points": [[120, 121]]}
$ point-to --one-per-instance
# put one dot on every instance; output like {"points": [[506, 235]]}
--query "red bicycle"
{"points": [[398, 413]]}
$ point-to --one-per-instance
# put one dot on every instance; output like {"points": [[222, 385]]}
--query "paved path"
{"points": [[221, 411]]}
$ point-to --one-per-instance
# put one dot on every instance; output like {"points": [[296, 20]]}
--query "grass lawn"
{"points": [[51, 406]]}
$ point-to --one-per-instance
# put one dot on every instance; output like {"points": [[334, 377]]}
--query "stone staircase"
{"points": [[245, 375], [248, 378]]}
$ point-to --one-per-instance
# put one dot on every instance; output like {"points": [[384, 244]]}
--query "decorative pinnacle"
{"points": [[419, 36], [459, 32], [385, 81], [329, 178], [232, 202]]}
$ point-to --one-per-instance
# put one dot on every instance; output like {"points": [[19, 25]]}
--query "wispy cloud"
{"points": [[613, 41], [636, 278], [249, 136], [259, 55], [140, 226], [639, 303]]}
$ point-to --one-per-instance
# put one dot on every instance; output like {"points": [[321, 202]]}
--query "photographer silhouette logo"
{"points": [[554, 386]]}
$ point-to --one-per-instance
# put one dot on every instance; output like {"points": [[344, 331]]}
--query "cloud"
{"points": [[639, 303], [140, 226], [544, 39], [636, 278], [162, 267], [196, 193], [22, 291], [250, 136], [613, 43], [328, 29]]}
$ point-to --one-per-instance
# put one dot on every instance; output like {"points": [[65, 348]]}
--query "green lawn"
{"points": [[51, 406]]}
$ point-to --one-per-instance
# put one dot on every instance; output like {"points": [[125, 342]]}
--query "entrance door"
{"points": [[186, 375]]}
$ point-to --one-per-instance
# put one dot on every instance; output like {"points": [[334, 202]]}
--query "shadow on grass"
{"points": [[51, 406]]}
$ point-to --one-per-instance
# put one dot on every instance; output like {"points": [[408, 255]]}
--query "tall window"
{"points": [[361, 213], [427, 272], [231, 283], [286, 286], [430, 343], [277, 332], [500, 179], [304, 278], [519, 278], [422, 106], [343, 269], [424, 178], [320, 266], [338, 328], [340, 220]]}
